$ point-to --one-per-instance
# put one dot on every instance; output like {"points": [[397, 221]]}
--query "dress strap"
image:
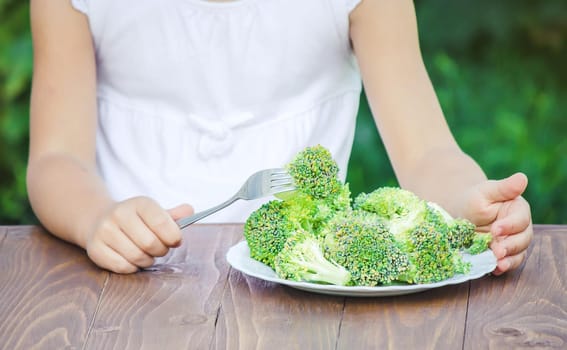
{"points": [[351, 4], [81, 5]]}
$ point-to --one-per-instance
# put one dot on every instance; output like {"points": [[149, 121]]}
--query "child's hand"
{"points": [[496, 206], [131, 233]]}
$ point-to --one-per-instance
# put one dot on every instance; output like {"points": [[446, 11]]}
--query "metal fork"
{"points": [[260, 184]]}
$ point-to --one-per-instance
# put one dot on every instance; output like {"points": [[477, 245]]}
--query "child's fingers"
{"points": [[159, 222], [108, 259], [505, 189], [517, 243], [498, 250], [509, 263], [517, 219], [143, 237], [181, 211], [514, 222], [126, 248]]}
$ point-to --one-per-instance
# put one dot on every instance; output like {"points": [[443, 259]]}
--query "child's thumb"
{"points": [[505, 189], [180, 211]]}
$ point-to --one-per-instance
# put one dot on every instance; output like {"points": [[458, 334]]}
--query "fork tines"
{"points": [[280, 180]]}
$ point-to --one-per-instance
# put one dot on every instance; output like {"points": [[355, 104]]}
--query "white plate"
{"points": [[238, 256]]}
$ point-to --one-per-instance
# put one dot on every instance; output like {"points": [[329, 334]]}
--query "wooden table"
{"points": [[53, 297]]}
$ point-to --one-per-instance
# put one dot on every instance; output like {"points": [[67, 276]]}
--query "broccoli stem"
{"points": [[324, 271]]}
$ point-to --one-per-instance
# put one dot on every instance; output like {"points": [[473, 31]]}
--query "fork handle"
{"points": [[188, 220]]}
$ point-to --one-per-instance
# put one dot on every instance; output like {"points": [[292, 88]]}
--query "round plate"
{"points": [[238, 256]]}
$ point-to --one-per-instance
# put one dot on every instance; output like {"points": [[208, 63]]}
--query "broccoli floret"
{"points": [[315, 172], [319, 193], [480, 243], [430, 254], [266, 231], [366, 248], [400, 209], [423, 232], [460, 231], [313, 214], [302, 259]]}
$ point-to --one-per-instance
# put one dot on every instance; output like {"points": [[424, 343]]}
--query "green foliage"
{"points": [[15, 76], [522, 127]]}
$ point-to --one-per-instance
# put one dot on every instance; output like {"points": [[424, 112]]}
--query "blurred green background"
{"points": [[499, 69]]}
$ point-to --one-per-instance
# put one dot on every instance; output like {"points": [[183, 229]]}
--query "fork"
{"points": [[260, 184]]}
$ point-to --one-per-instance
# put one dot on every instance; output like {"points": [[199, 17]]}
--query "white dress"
{"points": [[195, 96]]}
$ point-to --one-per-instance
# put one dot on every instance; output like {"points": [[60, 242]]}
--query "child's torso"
{"points": [[190, 91]]}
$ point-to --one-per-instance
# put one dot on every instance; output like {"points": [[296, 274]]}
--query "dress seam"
{"points": [[278, 118]]}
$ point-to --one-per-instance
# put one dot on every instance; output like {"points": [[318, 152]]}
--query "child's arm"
{"points": [[423, 152], [64, 189]]}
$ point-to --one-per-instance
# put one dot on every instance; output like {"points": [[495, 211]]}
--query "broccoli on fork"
{"points": [[315, 172], [318, 197], [319, 193]]}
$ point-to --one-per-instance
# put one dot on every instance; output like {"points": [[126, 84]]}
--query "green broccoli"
{"points": [[422, 231], [302, 259], [480, 243], [266, 230], [388, 236], [315, 172], [268, 227], [320, 194], [430, 254], [460, 231], [312, 214], [400, 209], [366, 248]]}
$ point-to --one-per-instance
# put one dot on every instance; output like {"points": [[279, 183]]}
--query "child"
{"points": [[143, 105]]}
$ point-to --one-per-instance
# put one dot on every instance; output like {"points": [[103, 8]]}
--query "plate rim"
{"points": [[235, 252]]}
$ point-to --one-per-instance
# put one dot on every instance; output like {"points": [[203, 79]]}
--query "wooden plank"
{"points": [[528, 307], [3, 232], [173, 306], [432, 319], [256, 314], [48, 291]]}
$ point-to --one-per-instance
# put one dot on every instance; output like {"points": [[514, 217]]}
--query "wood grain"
{"points": [[3, 231], [528, 307], [257, 314], [48, 291], [175, 304], [53, 297], [432, 319]]}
